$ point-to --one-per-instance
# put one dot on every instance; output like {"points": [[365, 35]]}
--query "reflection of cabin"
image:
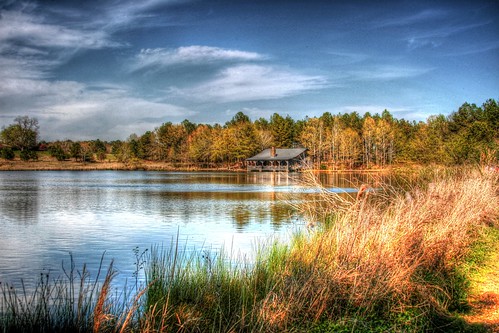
{"points": [[276, 159]]}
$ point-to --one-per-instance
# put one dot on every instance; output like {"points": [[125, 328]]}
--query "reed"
{"points": [[73, 302], [390, 255]]}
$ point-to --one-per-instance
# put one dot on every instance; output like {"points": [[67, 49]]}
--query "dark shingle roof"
{"points": [[281, 154]]}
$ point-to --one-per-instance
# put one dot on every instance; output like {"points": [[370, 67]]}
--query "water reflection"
{"points": [[46, 215], [22, 203]]}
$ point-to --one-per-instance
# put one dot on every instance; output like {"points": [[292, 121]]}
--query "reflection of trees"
{"points": [[22, 202], [242, 216], [21, 208], [276, 214], [281, 213], [351, 179]]}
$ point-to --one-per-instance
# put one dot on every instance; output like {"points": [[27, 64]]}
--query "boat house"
{"points": [[278, 159]]}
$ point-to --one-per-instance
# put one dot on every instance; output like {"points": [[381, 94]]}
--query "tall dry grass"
{"points": [[387, 253]]}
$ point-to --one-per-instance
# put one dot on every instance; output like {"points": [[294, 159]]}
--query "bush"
{"points": [[7, 153], [58, 153], [27, 155]]}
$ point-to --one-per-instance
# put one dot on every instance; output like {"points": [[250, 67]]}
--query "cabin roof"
{"points": [[281, 154]]}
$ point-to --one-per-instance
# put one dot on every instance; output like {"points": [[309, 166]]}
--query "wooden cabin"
{"points": [[278, 159]]}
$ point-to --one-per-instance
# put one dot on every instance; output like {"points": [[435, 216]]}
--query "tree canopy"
{"points": [[468, 135]]}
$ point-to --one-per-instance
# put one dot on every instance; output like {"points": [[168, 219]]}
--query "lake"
{"points": [[46, 215]]}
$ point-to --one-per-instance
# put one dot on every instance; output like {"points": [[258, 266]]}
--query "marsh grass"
{"points": [[393, 254], [72, 302], [389, 260]]}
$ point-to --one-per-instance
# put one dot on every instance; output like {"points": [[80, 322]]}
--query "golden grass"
{"points": [[386, 253]]}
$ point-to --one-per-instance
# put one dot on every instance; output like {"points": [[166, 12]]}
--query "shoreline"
{"points": [[53, 165]]}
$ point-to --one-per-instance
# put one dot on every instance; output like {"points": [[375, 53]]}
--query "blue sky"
{"points": [[106, 69]]}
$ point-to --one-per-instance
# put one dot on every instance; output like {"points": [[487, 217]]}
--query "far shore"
{"points": [[49, 164]]}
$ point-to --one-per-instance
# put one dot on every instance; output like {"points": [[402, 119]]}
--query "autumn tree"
{"points": [[384, 138], [200, 144], [334, 128], [312, 137], [221, 146], [369, 140], [172, 142]]}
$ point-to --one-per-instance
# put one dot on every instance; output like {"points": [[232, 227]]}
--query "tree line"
{"points": [[468, 135]]}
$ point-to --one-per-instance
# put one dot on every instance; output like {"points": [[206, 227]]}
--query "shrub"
{"points": [[7, 153], [58, 153], [27, 155]]}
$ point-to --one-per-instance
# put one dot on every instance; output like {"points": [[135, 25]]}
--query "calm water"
{"points": [[46, 215]]}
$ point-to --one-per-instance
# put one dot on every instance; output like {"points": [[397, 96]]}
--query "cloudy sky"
{"points": [[106, 69]]}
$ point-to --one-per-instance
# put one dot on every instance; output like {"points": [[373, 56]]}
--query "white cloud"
{"points": [[422, 16], [253, 82], [107, 116], [342, 58], [192, 55], [68, 109], [253, 113], [399, 112], [417, 43], [31, 30], [386, 73], [434, 38]]}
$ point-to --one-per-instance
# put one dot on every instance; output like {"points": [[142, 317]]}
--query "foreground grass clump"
{"points": [[74, 302], [393, 257], [389, 260]]}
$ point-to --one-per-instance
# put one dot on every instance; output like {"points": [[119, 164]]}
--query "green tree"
{"points": [[352, 120], [98, 148], [282, 130], [384, 141], [473, 132], [491, 115], [147, 146], [23, 134], [76, 151], [431, 141], [244, 141], [56, 150], [188, 126], [239, 118]]}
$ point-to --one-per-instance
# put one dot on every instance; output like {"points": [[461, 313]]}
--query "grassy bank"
{"points": [[393, 260], [47, 163]]}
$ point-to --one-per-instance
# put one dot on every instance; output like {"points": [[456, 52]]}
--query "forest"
{"points": [[343, 141]]}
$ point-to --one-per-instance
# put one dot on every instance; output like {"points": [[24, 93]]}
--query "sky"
{"points": [[106, 69]]}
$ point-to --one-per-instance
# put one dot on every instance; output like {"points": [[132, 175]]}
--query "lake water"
{"points": [[46, 215]]}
